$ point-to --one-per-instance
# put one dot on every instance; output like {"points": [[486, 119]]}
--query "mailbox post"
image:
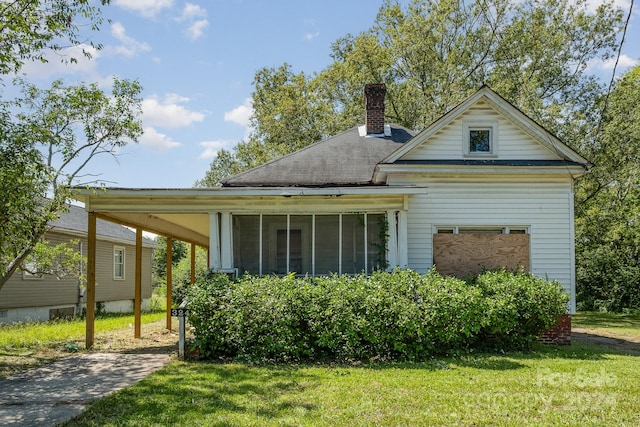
{"points": [[181, 313]]}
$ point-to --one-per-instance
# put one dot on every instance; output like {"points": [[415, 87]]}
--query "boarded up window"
{"points": [[464, 255]]}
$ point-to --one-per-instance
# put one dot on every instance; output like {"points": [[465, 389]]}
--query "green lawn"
{"points": [[580, 384]]}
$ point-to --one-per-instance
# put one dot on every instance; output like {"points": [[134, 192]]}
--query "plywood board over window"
{"points": [[464, 255]]}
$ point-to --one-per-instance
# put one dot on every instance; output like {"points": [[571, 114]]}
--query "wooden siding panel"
{"points": [[513, 142]]}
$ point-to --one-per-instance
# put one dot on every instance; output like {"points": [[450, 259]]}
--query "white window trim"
{"points": [[492, 126], [28, 276], [450, 229], [124, 263]]}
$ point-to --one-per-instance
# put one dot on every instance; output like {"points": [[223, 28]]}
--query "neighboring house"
{"points": [[27, 297], [484, 186]]}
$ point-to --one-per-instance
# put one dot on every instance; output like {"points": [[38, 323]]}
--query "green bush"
{"points": [[519, 306], [401, 315]]}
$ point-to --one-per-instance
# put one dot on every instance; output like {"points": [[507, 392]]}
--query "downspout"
{"points": [[81, 288]]}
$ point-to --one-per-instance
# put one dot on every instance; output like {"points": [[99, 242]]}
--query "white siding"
{"points": [[513, 142], [543, 206]]}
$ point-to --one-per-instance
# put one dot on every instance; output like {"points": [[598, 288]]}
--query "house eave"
{"points": [[85, 195], [572, 169]]}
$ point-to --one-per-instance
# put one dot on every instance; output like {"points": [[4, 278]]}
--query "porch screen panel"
{"points": [[246, 243], [300, 244], [376, 256], [327, 244], [274, 231], [353, 244]]}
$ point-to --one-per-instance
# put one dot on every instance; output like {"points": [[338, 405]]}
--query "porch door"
{"points": [[295, 251]]}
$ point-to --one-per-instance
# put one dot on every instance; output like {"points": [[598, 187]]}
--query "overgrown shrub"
{"points": [[401, 315]]}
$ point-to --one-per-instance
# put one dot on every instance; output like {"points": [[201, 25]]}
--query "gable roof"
{"points": [[345, 159], [526, 123], [76, 221]]}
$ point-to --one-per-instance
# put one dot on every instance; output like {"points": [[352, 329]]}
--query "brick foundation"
{"points": [[560, 333]]}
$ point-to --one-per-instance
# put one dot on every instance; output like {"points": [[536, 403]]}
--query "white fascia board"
{"points": [[574, 171], [88, 194]]}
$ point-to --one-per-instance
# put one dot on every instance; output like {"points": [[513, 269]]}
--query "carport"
{"points": [[161, 213]]}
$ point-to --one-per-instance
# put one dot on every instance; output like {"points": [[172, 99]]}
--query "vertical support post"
{"points": [[214, 242], [91, 281], [226, 241], [193, 263], [392, 243], [403, 244], [169, 279], [137, 302]]}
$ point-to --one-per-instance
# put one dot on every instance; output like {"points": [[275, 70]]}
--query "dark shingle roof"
{"points": [[344, 159], [76, 220]]}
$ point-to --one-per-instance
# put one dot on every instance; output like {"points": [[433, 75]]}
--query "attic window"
{"points": [[480, 139]]}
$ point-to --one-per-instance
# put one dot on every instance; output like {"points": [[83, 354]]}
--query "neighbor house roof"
{"points": [[76, 221], [345, 159]]}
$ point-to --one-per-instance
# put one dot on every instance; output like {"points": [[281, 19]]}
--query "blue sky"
{"points": [[196, 61]]}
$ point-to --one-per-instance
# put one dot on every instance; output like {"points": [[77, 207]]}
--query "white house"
{"points": [[483, 186]]}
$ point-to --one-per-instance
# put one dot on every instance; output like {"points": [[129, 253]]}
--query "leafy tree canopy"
{"points": [[49, 136]]}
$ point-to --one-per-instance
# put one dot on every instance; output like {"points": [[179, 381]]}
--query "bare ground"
{"points": [[155, 339], [627, 344]]}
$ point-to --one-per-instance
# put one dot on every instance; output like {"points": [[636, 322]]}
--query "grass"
{"points": [[577, 385], [581, 384]]}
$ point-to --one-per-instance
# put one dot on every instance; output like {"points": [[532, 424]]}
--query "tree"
{"points": [[431, 56], [55, 133], [179, 250], [49, 136], [30, 28], [608, 207]]}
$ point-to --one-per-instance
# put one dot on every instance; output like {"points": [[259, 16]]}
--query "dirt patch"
{"points": [[155, 339], [625, 344]]}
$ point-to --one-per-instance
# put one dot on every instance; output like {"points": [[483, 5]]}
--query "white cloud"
{"points": [[157, 141], [168, 112], [196, 29], [211, 148], [130, 46], [311, 36], [194, 15], [624, 63], [60, 63], [241, 114], [146, 8], [191, 11]]}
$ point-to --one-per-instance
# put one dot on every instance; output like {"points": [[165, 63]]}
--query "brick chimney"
{"points": [[374, 107]]}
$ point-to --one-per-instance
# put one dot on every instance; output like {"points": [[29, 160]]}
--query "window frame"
{"points": [[492, 127], [124, 253]]}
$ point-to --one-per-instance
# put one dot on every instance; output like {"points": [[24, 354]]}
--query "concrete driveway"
{"points": [[54, 393]]}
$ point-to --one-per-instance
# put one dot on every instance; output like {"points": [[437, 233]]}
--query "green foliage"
{"points": [[61, 260], [182, 273], [179, 250], [54, 133], [30, 28], [47, 136], [519, 306], [386, 316], [608, 208]]}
